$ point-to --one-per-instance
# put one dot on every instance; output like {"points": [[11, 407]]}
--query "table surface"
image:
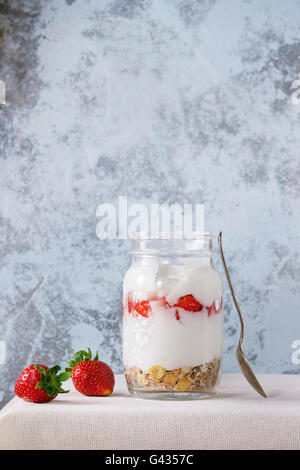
{"points": [[236, 418]]}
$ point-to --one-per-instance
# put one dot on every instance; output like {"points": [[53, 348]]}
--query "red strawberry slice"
{"points": [[129, 302], [164, 302], [177, 316], [211, 309], [143, 308], [189, 303]]}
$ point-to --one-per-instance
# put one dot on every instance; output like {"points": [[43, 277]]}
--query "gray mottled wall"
{"points": [[163, 101]]}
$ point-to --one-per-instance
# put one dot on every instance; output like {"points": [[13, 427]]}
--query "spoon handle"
{"points": [[231, 288]]}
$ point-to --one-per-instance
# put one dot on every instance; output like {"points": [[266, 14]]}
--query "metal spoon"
{"points": [[243, 363]]}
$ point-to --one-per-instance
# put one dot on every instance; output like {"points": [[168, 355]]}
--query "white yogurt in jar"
{"points": [[171, 336]]}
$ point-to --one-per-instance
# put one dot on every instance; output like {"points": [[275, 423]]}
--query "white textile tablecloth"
{"points": [[236, 418]]}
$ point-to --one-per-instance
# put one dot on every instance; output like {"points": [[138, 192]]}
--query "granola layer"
{"points": [[157, 378]]}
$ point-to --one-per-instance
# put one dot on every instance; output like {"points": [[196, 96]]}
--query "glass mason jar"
{"points": [[172, 318]]}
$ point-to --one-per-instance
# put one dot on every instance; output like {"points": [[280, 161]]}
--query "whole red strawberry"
{"points": [[39, 384], [90, 376]]}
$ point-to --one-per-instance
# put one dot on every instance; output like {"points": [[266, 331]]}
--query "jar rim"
{"points": [[197, 243], [172, 235]]}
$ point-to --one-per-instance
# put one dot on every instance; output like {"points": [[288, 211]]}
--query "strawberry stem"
{"points": [[81, 356], [51, 381]]}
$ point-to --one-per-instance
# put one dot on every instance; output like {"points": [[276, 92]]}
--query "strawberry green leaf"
{"points": [[72, 364], [53, 370], [81, 356], [89, 354], [78, 357], [64, 376], [86, 354], [40, 369], [51, 382]]}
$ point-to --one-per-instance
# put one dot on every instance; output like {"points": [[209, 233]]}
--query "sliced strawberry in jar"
{"points": [[129, 302], [177, 316], [215, 307], [210, 309], [189, 303], [143, 308], [164, 302]]}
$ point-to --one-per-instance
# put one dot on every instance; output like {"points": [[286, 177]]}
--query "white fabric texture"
{"points": [[236, 418]]}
